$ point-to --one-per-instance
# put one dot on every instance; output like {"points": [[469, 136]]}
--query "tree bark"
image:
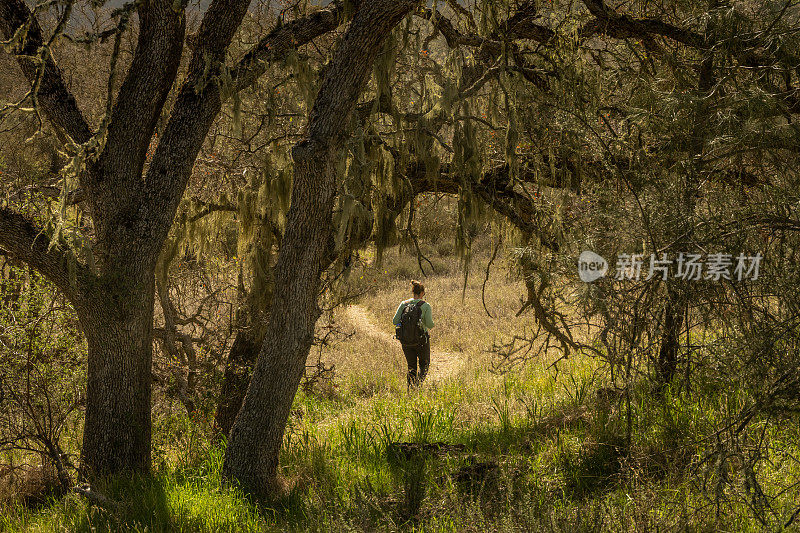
{"points": [[116, 434], [307, 249], [670, 336], [132, 212], [238, 369], [679, 294]]}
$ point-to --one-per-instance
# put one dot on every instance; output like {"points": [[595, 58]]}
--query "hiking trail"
{"points": [[443, 364]]}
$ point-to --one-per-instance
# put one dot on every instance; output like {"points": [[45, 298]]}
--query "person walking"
{"points": [[412, 321]]}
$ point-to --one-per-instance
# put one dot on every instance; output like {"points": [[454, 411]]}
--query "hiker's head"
{"points": [[417, 288]]}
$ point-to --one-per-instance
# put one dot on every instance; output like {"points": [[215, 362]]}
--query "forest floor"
{"points": [[533, 448]]}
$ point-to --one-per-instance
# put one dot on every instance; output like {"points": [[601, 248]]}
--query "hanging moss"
{"points": [[466, 164], [384, 67], [512, 135], [236, 129]]}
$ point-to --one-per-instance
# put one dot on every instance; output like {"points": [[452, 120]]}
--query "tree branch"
{"points": [[55, 99], [141, 98], [277, 45], [621, 26], [199, 101], [518, 26], [493, 188], [28, 243]]}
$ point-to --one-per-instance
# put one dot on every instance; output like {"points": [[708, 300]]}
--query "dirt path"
{"points": [[443, 364]]}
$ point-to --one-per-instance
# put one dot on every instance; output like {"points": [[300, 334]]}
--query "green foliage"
{"points": [[621, 149], [42, 381]]}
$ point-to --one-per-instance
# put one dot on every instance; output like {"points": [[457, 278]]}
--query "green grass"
{"points": [[540, 453]]}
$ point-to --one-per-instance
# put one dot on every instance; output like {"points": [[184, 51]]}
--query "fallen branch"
{"points": [[95, 498]]}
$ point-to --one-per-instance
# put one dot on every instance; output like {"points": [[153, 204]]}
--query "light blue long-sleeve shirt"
{"points": [[427, 313]]}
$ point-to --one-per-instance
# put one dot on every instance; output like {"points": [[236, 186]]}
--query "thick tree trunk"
{"points": [[116, 435], [241, 360], [256, 436], [307, 250], [132, 216]]}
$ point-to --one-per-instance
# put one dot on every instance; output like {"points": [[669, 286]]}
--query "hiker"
{"points": [[412, 321]]}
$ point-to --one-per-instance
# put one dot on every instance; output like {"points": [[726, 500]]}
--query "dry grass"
{"points": [[536, 449]]}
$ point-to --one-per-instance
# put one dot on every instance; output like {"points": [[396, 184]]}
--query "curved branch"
{"points": [[518, 26], [28, 243], [493, 189], [277, 45], [621, 26], [54, 98]]}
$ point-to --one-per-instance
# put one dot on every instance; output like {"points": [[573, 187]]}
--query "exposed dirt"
{"points": [[443, 364]]}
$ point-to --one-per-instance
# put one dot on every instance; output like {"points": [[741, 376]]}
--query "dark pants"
{"points": [[421, 354]]}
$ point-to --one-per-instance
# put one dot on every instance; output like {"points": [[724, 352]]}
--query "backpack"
{"points": [[410, 332]]}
